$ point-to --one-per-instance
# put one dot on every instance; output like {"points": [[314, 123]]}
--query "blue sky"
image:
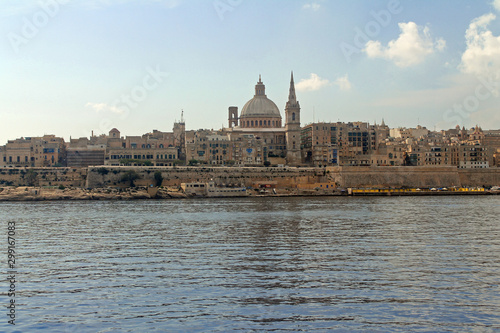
{"points": [[70, 67]]}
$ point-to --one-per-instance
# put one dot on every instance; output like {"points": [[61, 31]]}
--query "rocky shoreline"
{"points": [[24, 193]]}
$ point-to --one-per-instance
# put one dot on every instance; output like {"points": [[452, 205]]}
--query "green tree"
{"points": [[31, 177], [102, 171], [158, 178], [130, 176]]}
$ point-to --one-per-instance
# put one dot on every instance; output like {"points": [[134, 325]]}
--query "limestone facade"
{"points": [[45, 151]]}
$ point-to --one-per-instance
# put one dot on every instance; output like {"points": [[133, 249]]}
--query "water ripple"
{"points": [[419, 264]]}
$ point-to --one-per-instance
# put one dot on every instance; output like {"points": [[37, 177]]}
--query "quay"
{"points": [[420, 192]]}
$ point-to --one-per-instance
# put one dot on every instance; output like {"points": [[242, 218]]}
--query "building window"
{"points": [[293, 116]]}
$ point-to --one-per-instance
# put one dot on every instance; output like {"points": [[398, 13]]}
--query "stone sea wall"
{"points": [[420, 177], [68, 177], [344, 177], [174, 176]]}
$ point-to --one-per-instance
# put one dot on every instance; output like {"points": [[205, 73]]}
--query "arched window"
{"points": [[293, 116], [252, 123], [161, 145], [143, 146], [260, 122]]}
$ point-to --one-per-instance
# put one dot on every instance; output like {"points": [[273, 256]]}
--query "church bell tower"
{"points": [[292, 127]]}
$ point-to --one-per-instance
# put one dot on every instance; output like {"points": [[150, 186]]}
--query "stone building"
{"points": [[45, 151], [207, 147], [84, 152], [156, 148], [409, 133], [390, 154], [85, 156], [18, 153], [472, 156], [341, 143]]}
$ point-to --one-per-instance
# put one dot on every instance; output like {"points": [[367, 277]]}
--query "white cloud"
{"points": [[411, 48], [314, 82], [313, 6], [496, 4], [482, 55], [343, 83], [103, 107]]}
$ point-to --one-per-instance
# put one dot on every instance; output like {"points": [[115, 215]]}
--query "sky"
{"points": [[72, 67]]}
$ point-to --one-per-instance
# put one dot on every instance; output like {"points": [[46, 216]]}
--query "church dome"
{"points": [[260, 106]]}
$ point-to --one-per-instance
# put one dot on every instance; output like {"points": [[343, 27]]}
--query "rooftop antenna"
{"points": [[182, 115], [314, 115]]}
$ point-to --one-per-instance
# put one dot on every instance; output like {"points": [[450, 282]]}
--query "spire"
{"points": [[291, 95]]}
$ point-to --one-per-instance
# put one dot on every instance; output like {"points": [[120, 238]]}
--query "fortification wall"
{"points": [[417, 177], [68, 177], [479, 177], [399, 176], [174, 176], [108, 176]]}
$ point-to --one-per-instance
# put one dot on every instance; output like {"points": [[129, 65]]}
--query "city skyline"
{"points": [[75, 67]]}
